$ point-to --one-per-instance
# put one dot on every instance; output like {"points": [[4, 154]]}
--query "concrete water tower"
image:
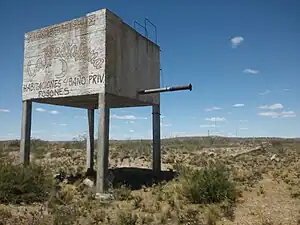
{"points": [[93, 62]]}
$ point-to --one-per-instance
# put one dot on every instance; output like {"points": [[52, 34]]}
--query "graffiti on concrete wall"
{"points": [[55, 64], [63, 53], [52, 31]]}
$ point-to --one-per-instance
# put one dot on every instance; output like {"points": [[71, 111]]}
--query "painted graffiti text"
{"points": [[77, 52], [62, 87], [61, 28], [54, 92], [59, 55]]}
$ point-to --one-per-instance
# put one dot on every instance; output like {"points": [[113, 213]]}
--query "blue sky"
{"points": [[242, 58]]}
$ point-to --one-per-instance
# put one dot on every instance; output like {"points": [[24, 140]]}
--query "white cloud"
{"points": [[130, 121], [243, 121], [165, 124], [127, 117], [272, 114], [265, 92], [4, 110], [208, 126], [63, 124], [287, 114], [272, 107], [212, 109], [251, 71], [244, 128], [216, 119], [126, 111], [236, 41], [40, 110], [286, 89], [37, 131], [238, 105], [54, 112], [131, 131]]}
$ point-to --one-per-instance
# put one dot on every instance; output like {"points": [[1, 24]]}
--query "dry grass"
{"points": [[220, 181]]}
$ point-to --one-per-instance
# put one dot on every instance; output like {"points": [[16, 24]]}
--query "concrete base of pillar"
{"points": [[104, 197]]}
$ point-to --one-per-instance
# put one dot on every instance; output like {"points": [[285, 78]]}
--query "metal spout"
{"points": [[166, 89]]}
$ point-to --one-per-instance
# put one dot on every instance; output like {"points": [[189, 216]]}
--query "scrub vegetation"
{"points": [[204, 180]]}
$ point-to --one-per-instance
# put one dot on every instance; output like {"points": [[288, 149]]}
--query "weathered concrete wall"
{"points": [[132, 61], [66, 59]]}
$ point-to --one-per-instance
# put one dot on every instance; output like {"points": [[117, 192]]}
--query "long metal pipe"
{"points": [[166, 89]]}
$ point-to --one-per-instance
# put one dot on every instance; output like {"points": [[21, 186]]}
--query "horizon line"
{"points": [[163, 138]]}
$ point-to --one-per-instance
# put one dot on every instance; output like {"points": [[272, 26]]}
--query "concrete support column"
{"points": [[156, 152], [25, 132], [90, 146], [103, 145]]}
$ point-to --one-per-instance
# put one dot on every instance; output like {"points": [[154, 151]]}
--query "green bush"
{"points": [[25, 184], [208, 185]]}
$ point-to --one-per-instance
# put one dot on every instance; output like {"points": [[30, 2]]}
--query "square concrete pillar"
{"points": [[103, 145], [25, 132], [90, 145], [156, 152]]}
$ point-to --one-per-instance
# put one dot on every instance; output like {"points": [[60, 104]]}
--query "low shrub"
{"points": [[25, 184], [208, 185]]}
